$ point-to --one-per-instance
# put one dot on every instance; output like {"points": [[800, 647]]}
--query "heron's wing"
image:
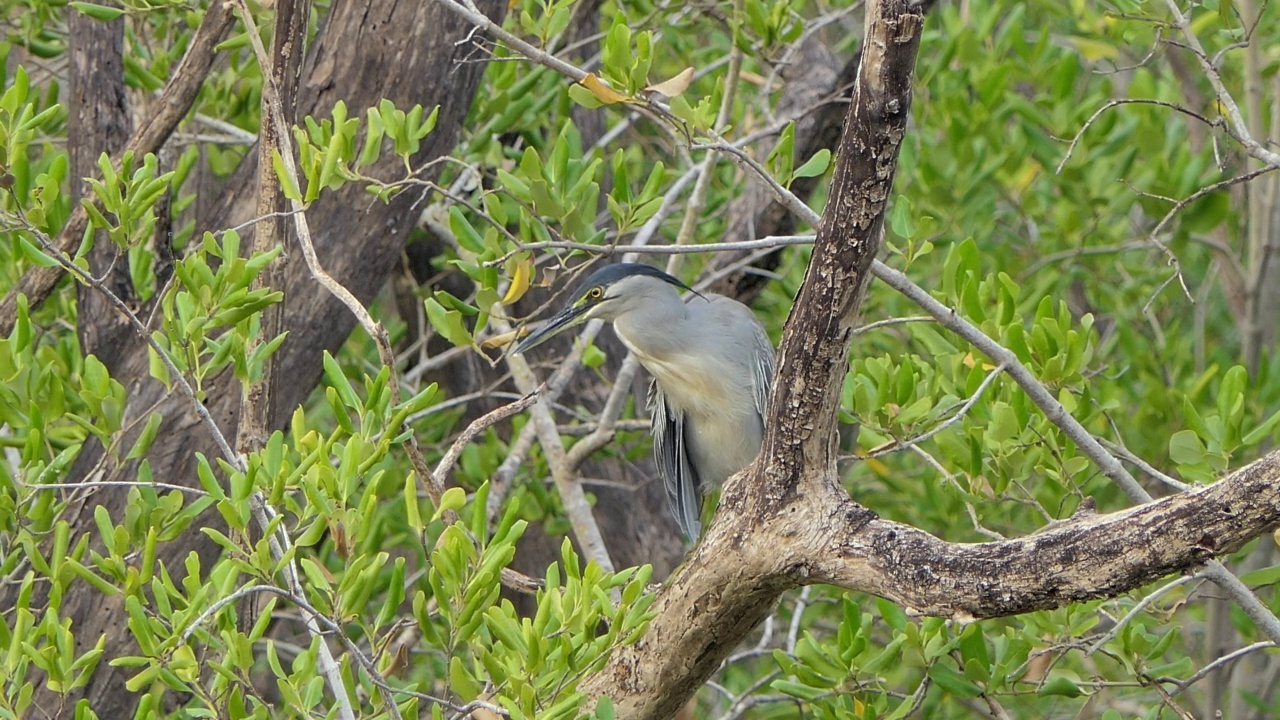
{"points": [[670, 453], [763, 368]]}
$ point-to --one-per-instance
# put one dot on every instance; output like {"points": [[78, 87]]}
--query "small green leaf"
{"points": [[795, 689], [1185, 448], [288, 183], [453, 499], [448, 323], [148, 436], [1257, 434], [34, 254], [952, 681], [1265, 576], [98, 12], [593, 357], [1060, 686], [464, 685], [815, 165]]}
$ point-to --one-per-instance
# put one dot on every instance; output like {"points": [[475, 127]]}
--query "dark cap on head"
{"points": [[610, 274]]}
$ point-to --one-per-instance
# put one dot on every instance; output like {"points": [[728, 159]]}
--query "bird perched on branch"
{"points": [[712, 365]]}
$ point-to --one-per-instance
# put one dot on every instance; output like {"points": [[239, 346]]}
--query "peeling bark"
{"points": [[759, 543], [1086, 557]]}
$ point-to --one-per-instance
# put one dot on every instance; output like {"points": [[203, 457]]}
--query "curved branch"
{"points": [[1088, 556], [753, 553]]}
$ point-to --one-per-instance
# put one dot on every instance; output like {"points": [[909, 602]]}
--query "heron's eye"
{"points": [[595, 293]]}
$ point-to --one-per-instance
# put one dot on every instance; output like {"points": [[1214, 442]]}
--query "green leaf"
{"points": [[1257, 434], [453, 499], [1185, 448], [464, 685], [98, 12], [952, 681], [1263, 576], [148, 436], [35, 255], [593, 357], [448, 323], [815, 165], [799, 690], [1059, 686], [288, 183]]}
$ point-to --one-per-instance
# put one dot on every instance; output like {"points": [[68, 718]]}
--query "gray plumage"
{"points": [[712, 365]]}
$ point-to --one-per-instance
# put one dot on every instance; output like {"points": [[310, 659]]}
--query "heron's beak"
{"points": [[565, 319]]}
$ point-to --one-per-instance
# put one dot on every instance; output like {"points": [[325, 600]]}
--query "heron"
{"points": [[712, 365]]}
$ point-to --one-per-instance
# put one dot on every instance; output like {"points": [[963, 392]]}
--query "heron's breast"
{"points": [[694, 382]]}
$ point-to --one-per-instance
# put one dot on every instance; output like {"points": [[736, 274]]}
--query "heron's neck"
{"points": [[658, 331]]}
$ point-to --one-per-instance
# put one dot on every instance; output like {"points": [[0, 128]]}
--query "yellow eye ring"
{"points": [[595, 293]]}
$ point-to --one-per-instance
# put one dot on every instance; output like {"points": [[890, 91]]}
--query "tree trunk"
{"points": [[774, 513], [97, 123], [368, 50]]}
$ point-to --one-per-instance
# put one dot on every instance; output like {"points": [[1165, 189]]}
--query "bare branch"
{"points": [[1236, 124], [1219, 662], [476, 427]]}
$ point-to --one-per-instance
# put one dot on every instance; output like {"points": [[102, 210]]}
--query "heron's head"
{"points": [[606, 294]]}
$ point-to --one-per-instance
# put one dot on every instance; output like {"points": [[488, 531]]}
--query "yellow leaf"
{"points": [[501, 340], [675, 85], [1023, 179], [877, 467], [1095, 50], [520, 278], [601, 91]]}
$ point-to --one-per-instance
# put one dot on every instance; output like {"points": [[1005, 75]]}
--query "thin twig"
{"points": [[1225, 659], [112, 483], [1126, 101], [1237, 126], [793, 632], [1146, 467], [476, 427], [890, 321], [895, 446], [771, 241], [1137, 609]]}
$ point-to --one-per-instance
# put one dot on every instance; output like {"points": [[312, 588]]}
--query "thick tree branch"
{"points": [[813, 358], [737, 571], [1086, 557]]}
